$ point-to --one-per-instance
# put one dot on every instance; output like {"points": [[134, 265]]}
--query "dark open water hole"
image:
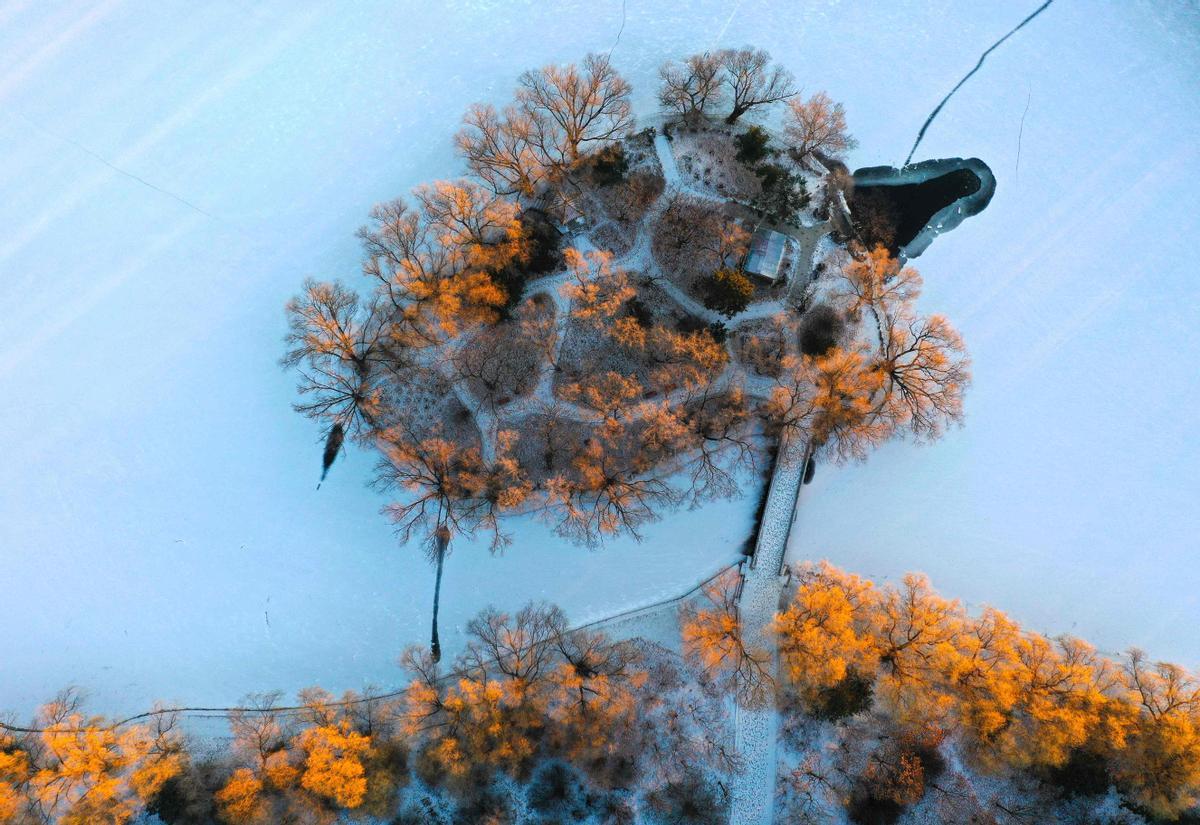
{"points": [[928, 198]]}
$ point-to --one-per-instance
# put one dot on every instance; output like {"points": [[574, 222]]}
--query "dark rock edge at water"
{"points": [[950, 215]]}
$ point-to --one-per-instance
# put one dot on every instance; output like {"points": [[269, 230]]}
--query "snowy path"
{"points": [[753, 795], [667, 158], [491, 419]]}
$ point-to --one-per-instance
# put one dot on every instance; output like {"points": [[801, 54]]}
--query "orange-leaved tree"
{"points": [[15, 770], [1160, 767], [714, 641], [81, 770], [825, 630], [436, 263], [921, 363], [817, 125], [1021, 700]]}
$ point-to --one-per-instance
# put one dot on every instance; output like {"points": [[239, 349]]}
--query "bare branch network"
{"points": [[601, 384]]}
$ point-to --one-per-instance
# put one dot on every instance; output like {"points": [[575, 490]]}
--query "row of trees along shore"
{"points": [[1015, 703], [573, 721]]}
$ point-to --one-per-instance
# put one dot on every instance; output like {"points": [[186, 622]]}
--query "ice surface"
{"points": [[158, 502]]}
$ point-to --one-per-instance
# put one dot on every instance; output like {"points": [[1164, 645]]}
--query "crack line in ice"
{"points": [[109, 163], [1021, 132], [620, 31], [967, 76], [728, 20]]}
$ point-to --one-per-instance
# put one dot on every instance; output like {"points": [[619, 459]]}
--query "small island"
{"points": [[607, 322]]}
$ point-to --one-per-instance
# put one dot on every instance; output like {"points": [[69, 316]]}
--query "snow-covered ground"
{"points": [[172, 171]]}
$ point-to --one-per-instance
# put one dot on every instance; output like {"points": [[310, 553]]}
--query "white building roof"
{"points": [[766, 253]]}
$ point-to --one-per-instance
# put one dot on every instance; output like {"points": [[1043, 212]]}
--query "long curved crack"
{"points": [[967, 76]]}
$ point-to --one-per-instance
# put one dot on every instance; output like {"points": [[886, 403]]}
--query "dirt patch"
{"points": [[427, 404], [707, 159], [760, 346], [548, 445], [502, 362]]}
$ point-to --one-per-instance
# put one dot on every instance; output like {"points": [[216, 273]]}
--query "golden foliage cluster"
{"points": [[78, 770], [905, 377], [1020, 700], [523, 679]]}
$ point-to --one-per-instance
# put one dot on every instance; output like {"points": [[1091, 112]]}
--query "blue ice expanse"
{"points": [[171, 172]]}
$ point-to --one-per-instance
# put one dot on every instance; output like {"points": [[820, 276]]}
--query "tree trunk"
{"points": [[443, 539]]}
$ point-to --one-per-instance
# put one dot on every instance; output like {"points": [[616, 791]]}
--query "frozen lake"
{"points": [[173, 171]]}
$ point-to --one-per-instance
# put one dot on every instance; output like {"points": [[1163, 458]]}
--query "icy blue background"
{"points": [[156, 492]]}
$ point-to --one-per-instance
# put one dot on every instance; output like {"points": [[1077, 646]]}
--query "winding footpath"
{"points": [[491, 419], [753, 797]]}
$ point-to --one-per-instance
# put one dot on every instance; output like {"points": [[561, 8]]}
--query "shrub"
{"points": [[557, 789], [613, 810], [692, 800], [545, 254], [820, 330], [894, 779], [865, 809], [387, 771], [783, 193], [425, 811], [1083, 774], [853, 694], [613, 770], [609, 165], [640, 312], [185, 799], [688, 324], [728, 292], [752, 145], [486, 804]]}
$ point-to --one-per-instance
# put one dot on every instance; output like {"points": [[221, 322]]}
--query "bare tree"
{"points": [[258, 729], [721, 442], [500, 149], [752, 81], [926, 368], [921, 363], [340, 345], [682, 731], [520, 648], [693, 86], [808, 795], [591, 654], [570, 107], [817, 125], [605, 496], [452, 491]]}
